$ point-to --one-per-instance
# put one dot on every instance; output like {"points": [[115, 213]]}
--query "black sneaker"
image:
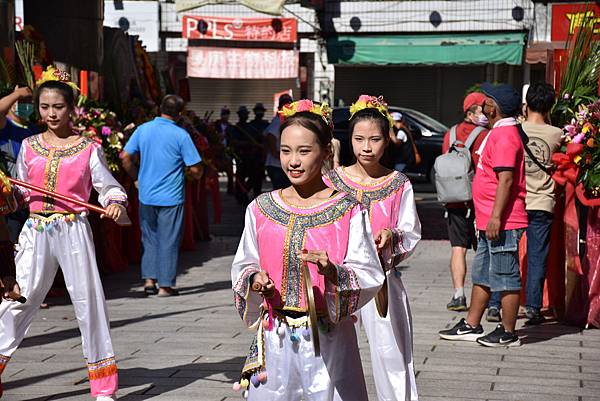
{"points": [[462, 331], [457, 304], [500, 338], [534, 317], [493, 315]]}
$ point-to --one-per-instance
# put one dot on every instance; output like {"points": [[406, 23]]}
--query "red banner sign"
{"points": [[235, 63], [567, 18], [253, 29]]}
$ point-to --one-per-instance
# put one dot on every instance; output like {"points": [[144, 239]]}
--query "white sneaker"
{"points": [[106, 398]]}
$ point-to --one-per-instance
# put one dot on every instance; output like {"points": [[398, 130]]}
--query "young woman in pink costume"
{"points": [[388, 196], [58, 233], [306, 223]]}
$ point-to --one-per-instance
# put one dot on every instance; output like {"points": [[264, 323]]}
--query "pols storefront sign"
{"points": [[243, 29]]}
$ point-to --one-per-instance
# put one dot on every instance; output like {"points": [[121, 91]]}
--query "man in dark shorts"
{"points": [[461, 216]]}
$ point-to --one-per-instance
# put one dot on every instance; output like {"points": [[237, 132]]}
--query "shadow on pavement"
{"points": [[198, 371], [144, 377], [56, 336], [545, 332]]}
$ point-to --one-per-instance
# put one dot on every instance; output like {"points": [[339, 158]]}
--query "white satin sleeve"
{"points": [[360, 276], [245, 264], [22, 194], [109, 189], [21, 165], [407, 232]]}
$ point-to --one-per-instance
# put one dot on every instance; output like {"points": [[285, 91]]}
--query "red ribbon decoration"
{"points": [[566, 175]]}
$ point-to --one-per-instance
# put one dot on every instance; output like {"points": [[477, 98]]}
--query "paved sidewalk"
{"points": [[192, 347]]}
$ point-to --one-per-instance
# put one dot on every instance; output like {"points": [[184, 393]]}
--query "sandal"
{"points": [[150, 290]]}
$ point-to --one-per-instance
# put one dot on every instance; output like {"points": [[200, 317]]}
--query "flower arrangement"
{"points": [[581, 151], [323, 110], [102, 126], [581, 69]]}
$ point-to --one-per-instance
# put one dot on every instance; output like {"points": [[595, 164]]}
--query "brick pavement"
{"points": [[192, 347]]}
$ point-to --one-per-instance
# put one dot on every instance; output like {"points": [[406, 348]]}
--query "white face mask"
{"points": [[482, 120]]}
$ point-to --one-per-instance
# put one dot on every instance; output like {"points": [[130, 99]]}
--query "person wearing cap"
{"points": [[259, 123], [278, 178], [403, 153], [223, 161], [247, 143], [499, 197], [461, 216]]}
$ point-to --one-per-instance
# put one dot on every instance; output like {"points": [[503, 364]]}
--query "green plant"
{"points": [[7, 78], [579, 83], [26, 53]]}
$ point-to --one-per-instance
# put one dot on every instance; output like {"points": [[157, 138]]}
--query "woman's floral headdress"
{"points": [[54, 74], [323, 110], [372, 102]]}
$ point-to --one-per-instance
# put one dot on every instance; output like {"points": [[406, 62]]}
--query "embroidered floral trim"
{"points": [[399, 253], [101, 369], [297, 226], [117, 199], [368, 197], [348, 292], [255, 360], [241, 290]]}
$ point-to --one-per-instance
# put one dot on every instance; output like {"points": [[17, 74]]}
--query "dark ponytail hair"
{"points": [[65, 90], [312, 122]]}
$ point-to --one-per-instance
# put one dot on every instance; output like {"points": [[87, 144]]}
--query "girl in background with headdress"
{"points": [[58, 233], [388, 196], [306, 224]]}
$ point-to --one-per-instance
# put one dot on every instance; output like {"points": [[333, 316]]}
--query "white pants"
{"points": [[70, 245], [391, 344], [294, 373]]}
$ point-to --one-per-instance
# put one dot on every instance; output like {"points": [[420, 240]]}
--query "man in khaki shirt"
{"points": [[544, 139]]}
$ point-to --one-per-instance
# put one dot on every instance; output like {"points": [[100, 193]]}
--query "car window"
{"points": [[425, 120], [341, 115]]}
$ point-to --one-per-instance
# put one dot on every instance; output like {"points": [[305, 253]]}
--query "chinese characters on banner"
{"points": [[235, 63], [253, 29], [567, 18]]}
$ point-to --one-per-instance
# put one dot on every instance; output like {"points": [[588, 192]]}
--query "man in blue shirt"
{"points": [[165, 150]]}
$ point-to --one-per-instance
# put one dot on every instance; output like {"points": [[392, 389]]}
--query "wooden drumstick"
{"points": [[16, 297], [13, 295]]}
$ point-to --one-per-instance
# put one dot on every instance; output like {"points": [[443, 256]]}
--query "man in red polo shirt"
{"points": [[499, 197], [461, 216]]}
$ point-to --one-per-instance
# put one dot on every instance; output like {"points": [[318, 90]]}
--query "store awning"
{"points": [[488, 48], [539, 52]]}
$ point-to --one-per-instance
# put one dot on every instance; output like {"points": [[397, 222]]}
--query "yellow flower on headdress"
{"points": [[323, 110], [371, 102], [54, 74]]}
